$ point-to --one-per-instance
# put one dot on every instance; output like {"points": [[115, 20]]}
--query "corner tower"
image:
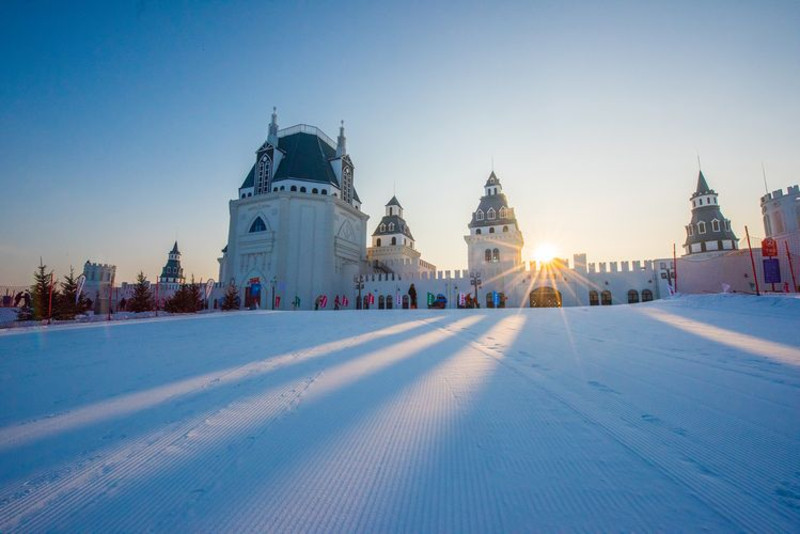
{"points": [[709, 232], [494, 242], [172, 273], [393, 248]]}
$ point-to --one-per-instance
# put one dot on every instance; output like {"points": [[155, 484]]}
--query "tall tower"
{"points": [[709, 232], [172, 272], [494, 242], [393, 245]]}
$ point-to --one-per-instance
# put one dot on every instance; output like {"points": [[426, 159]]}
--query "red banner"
{"points": [[769, 247]]}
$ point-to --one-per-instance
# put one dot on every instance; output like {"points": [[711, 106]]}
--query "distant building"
{"points": [[99, 279], [709, 232], [393, 248], [172, 274]]}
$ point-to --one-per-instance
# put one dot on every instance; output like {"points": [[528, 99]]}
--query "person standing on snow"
{"points": [[412, 293]]}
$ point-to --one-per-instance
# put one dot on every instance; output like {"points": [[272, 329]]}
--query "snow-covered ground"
{"points": [[677, 415]]}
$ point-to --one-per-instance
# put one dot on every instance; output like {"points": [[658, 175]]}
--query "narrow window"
{"points": [[394, 241], [605, 298], [479, 215], [379, 241], [647, 295], [701, 201], [302, 189], [715, 225], [701, 227], [633, 296], [495, 255], [491, 229], [391, 227], [383, 227], [594, 298], [294, 188], [314, 191], [491, 214], [478, 231], [487, 255]]}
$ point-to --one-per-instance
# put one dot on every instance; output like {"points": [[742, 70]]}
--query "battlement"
{"points": [[778, 193]]}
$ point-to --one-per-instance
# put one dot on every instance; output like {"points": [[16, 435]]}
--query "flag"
{"points": [[345, 301], [323, 301]]}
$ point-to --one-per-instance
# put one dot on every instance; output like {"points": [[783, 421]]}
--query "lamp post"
{"points": [[455, 296], [475, 280], [272, 283], [359, 282]]}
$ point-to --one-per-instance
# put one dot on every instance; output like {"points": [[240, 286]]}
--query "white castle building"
{"points": [[297, 234]]}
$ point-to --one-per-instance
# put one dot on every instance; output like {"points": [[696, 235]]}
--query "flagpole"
{"points": [[752, 261]]}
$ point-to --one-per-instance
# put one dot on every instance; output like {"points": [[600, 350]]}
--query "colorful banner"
{"points": [[431, 298], [323, 302], [345, 301]]}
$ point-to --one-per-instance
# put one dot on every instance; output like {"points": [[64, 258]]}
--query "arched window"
{"points": [[491, 214], [701, 227], [478, 231], [274, 189], [487, 255], [302, 189], [594, 298], [605, 298], [489, 300], [394, 241], [283, 188], [715, 225], [379, 241], [314, 191], [479, 215], [491, 229], [647, 295], [383, 227], [505, 228], [495, 255], [633, 296], [243, 195], [324, 191], [389, 302], [258, 225], [502, 213], [293, 188], [728, 222], [391, 227], [381, 302], [690, 230], [701, 201]]}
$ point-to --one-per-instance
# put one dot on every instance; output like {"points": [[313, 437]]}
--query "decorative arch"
{"points": [[347, 232], [487, 255], [605, 298], [491, 214], [647, 295], [491, 229], [633, 296], [258, 225], [379, 242], [496, 255]]}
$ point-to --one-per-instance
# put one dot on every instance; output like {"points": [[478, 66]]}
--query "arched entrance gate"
{"points": [[545, 297]]}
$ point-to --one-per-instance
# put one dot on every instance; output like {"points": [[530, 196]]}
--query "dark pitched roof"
{"points": [[492, 180], [394, 202], [250, 180], [399, 224], [307, 157], [175, 249], [702, 186], [492, 201]]}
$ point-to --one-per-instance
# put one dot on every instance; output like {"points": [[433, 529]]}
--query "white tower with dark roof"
{"points": [[494, 243], [709, 232], [393, 248]]}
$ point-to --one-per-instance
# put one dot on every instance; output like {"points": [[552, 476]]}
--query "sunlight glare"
{"points": [[545, 253]]}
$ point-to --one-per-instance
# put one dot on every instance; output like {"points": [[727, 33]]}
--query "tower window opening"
{"points": [[495, 255], [314, 191], [479, 215], [491, 229], [487, 255], [302, 189], [715, 225], [478, 231], [394, 241], [293, 188], [701, 227]]}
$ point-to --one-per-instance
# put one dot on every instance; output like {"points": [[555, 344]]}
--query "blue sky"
{"points": [[127, 125]]}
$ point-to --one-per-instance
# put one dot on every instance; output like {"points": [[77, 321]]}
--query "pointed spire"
{"points": [[272, 138], [702, 185], [394, 202], [341, 142], [175, 249]]}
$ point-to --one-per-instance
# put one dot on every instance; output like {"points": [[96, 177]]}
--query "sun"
{"points": [[545, 253]]}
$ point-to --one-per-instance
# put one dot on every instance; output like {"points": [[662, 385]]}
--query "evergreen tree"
{"points": [[185, 300], [68, 304], [142, 299], [194, 300], [40, 292], [231, 301]]}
